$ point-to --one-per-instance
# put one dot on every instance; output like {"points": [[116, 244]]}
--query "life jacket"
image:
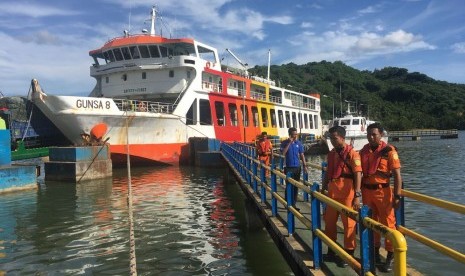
{"points": [[337, 161], [381, 155], [263, 147]]}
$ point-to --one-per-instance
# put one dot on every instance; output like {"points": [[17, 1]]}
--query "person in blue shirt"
{"points": [[293, 150]]}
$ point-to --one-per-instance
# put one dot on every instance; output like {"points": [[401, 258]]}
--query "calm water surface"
{"points": [[192, 221], [432, 167], [188, 221]]}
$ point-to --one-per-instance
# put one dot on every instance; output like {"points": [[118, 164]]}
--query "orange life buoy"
{"points": [[208, 64]]}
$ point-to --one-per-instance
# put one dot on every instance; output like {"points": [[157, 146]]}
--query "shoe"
{"points": [[340, 262], [377, 256], [330, 256], [388, 265]]}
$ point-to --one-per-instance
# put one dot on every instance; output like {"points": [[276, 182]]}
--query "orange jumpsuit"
{"points": [[264, 147], [341, 189], [376, 192]]}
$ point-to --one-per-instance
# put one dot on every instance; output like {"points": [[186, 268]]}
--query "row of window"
{"points": [[142, 51], [124, 77], [269, 116]]}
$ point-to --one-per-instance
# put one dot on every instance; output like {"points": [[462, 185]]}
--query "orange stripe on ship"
{"points": [[169, 154]]}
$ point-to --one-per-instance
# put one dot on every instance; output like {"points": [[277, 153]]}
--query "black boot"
{"points": [[377, 256], [389, 259], [330, 256]]}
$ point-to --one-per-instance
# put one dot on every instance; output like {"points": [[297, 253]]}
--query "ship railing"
{"points": [[253, 172], [258, 96], [240, 91], [144, 106], [275, 99], [458, 209], [212, 86], [301, 104]]}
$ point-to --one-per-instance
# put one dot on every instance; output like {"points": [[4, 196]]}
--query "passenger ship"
{"points": [[356, 129], [154, 93]]}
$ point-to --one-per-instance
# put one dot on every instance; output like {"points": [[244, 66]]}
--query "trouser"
{"points": [[331, 216], [380, 202], [295, 174]]}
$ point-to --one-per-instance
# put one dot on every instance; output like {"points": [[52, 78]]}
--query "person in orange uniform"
{"points": [[379, 162], [264, 148], [342, 181]]}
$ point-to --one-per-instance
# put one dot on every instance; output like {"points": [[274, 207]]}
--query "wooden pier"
{"points": [[416, 134]]}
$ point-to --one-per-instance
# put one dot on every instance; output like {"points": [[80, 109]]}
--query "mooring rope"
{"points": [[132, 242]]}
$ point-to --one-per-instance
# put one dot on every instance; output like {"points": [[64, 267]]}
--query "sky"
{"points": [[50, 40]]}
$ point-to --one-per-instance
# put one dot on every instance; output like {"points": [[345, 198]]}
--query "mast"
{"points": [[269, 62], [153, 18]]}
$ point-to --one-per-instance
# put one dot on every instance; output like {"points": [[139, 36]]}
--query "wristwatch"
{"points": [[358, 194]]}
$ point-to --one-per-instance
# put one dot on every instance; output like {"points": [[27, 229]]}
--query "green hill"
{"points": [[393, 96]]}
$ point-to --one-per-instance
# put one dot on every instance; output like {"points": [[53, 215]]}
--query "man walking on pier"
{"points": [[342, 181], [264, 148], [293, 150], [379, 162]]}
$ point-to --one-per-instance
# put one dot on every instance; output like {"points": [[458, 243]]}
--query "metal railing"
{"points": [[242, 159], [453, 207], [144, 106]]}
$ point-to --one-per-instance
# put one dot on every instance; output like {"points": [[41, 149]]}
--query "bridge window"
{"points": [[233, 113], [264, 117], [144, 51], [301, 125], [294, 120], [107, 79], [273, 117], [255, 116], [345, 122], [288, 119], [171, 73], [310, 117], [219, 109], [245, 115], [134, 52], [306, 120], [163, 51], [280, 118], [153, 49], [205, 112], [356, 122], [126, 54], [124, 77], [316, 121], [109, 55], [118, 54], [144, 75]]}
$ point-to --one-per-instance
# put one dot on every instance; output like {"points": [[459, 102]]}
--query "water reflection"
{"points": [[186, 222]]}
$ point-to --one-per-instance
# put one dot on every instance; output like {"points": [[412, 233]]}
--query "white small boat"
{"points": [[356, 129]]}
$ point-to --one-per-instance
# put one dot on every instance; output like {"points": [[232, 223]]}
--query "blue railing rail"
{"points": [[242, 158]]}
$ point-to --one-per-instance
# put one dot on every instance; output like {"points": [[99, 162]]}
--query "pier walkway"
{"points": [[418, 133], [298, 232]]}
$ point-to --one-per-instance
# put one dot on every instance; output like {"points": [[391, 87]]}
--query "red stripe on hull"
{"points": [[168, 154]]}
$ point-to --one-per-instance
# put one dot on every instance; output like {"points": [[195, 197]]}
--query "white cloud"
{"points": [[33, 10], [458, 47], [306, 25], [353, 48]]}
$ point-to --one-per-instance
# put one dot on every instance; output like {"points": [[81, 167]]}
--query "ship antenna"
{"points": [[130, 11], [269, 61], [153, 18]]}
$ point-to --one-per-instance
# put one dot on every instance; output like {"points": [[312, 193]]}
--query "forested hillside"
{"points": [[399, 99]]}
